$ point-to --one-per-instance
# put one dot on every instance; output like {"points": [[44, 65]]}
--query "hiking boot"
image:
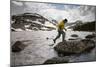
{"points": [[54, 40]]}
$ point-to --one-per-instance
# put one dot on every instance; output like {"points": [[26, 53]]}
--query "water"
{"points": [[38, 49]]}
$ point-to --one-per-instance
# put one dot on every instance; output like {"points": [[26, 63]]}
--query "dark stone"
{"points": [[18, 46], [47, 38], [74, 35], [90, 44], [72, 39], [74, 46], [90, 36], [12, 30], [57, 60]]}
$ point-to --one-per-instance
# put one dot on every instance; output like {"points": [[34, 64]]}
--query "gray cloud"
{"points": [[72, 12]]}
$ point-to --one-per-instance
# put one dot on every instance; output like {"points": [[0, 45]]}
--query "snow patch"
{"points": [[47, 23], [18, 29]]}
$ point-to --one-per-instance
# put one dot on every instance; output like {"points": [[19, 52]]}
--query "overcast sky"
{"points": [[56, 11]]}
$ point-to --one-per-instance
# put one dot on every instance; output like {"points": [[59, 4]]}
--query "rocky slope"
{"points": [[30, 21]]}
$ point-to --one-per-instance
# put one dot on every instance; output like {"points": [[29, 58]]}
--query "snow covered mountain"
{"points": [[72, 25], [30, 21]]}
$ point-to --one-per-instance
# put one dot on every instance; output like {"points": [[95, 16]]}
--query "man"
{"points": [[61, 27]]}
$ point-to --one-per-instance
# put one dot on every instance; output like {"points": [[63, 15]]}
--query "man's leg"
{"points": [[57, 36], [63, 36]]}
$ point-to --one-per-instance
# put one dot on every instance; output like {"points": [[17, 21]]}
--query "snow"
{"points": [[18, 29], [27, 26], [28, 30], [44, 28], [37, 22], [47, 23]]}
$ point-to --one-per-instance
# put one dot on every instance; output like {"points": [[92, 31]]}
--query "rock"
{"points": [[90, 36], [74, 46], [74, 35], [57, 60], [47, 38], [72, 39], [90, 44], [18, 46], [13, 30]]}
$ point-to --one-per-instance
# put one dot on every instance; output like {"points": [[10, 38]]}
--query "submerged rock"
{"points": [[90, 36], [72, 39], [74, 46], [57, 60], [18, 46], [47, 38], [74, 35]]}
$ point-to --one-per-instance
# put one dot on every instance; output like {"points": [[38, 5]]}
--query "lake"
{"points": [[38, 49]]}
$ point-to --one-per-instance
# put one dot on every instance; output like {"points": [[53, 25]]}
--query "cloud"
{"points": [[55, 11], [82, 12], [55, 14], [17, 7], [17, 3]]}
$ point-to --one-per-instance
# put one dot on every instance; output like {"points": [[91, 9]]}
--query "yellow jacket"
{"points": [[61, 25]]}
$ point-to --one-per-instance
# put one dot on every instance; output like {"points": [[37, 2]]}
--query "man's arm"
{"points": [[65, 29]]}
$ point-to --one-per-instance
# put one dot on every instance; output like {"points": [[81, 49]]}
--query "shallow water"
{"points": [[38, 49]]}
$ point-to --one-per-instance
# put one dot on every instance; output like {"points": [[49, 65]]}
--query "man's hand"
{"points": [[65, 29]]}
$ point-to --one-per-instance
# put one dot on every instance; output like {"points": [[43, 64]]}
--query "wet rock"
{"points": [[57, 60], [18, 46], [74, 46], [74, 35], [90, 36], [75, 38], [13, 30], [90, 44], [72, 39], [47, 38]]}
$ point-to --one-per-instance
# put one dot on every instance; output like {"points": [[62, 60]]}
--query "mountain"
{"points": [[81, 26], [88, 26], [72, 25], [30, 21]]}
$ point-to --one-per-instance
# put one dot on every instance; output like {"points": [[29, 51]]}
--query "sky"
{"points": [[72, 12]]}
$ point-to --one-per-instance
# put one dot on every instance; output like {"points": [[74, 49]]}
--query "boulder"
{"points": [[72, 39], [74, 46], [18, 46], [90, 36], [13, 30], [75, 38], [47, 38], [74, 35], [57, 60]]}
